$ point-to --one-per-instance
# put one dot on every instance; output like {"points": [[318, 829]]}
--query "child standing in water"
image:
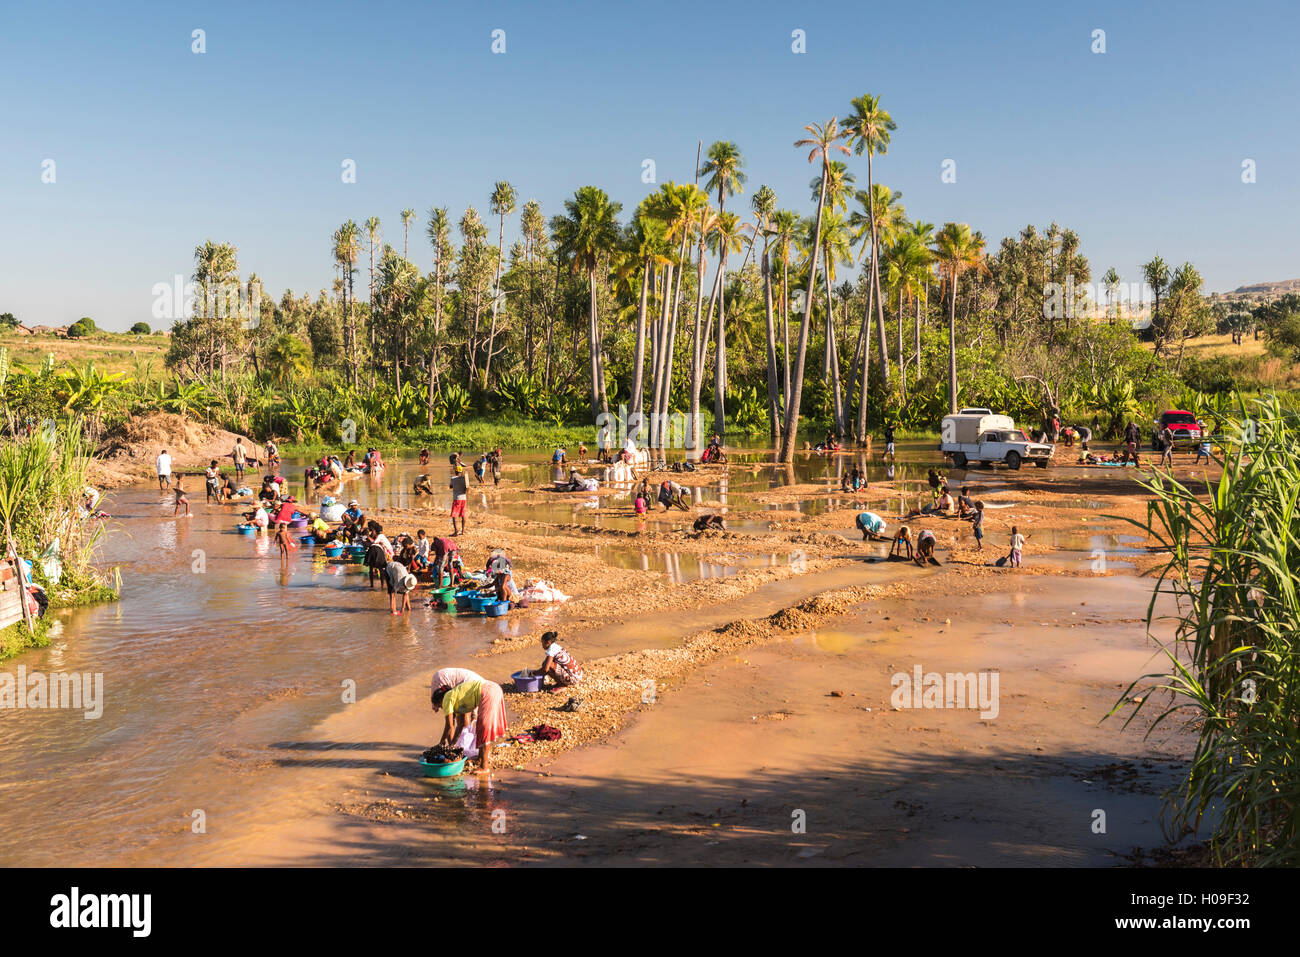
{"points": [[282, 539], [180, 497], [1017, 547], [977, 525]]}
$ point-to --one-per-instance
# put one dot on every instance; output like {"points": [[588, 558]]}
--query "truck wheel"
{"points": [[1013, 461], [959, 460]]}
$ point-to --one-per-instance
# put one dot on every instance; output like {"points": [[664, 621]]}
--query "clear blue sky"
{"points": [[156, 148]]}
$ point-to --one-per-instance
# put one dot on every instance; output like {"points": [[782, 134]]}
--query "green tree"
{"points": [[822, 140], [140, 329], [870, 128], [585, 236], [957, 252]]}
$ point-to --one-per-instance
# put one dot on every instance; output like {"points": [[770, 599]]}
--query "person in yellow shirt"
{"points": [[464, 699]]}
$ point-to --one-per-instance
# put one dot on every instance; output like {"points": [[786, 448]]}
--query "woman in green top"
{"points": [[464, 699]]}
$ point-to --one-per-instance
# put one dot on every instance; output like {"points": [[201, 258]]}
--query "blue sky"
{"points": [[156, 148]]}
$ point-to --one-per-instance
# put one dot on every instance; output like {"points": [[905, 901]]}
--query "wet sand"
{"points": [[717, 768]]}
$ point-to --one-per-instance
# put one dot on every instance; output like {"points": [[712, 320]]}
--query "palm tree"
{"points": [[907, 264], [764, 206], [584, 237], [823, 139], [347, 250], [869, 129], [649, 249], [682, 206], [216, 272], [724, 171], [876, 220], [1111, 282], [408, 216], [957, 252], [727, 237], [287, 357], [836, 248], [924, 234], [705, 228], [502, 205], [372, 233], [1156, 274], [439, 233], [785, 225]]}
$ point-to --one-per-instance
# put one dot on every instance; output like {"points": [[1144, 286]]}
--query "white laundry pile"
{"points": [[542, 590]]}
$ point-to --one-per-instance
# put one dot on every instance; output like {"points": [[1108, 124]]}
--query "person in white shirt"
{"points": [[1017, 547], [164, 470]]}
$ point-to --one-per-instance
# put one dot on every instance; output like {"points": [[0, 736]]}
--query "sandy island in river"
{"points": [[748, 719]]}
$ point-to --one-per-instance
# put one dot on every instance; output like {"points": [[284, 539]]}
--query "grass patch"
{"points": [[17, 638]]}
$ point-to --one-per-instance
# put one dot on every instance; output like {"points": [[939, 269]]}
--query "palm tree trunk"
{"points": [[902, 379], [697, 355], [594, 345], [785, 333], [832, 353], [793, 401], [638, 361], [864, 336], [952, 350], [772, 406], [916, 373], [875, 279]]}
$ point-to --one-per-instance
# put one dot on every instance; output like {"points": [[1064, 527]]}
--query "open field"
{"points": [[111, 352]]}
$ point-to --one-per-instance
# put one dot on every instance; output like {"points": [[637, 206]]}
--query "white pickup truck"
{"points": [[976, 435]]}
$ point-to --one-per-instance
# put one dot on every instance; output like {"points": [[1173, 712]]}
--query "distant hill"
{"points": [[1268, 289]]}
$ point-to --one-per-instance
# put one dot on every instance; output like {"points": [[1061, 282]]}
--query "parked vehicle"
{"points": [[1185, 426], [979, 436]]}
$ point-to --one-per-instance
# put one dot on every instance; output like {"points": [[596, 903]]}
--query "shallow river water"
{"points": [[214, 646]]}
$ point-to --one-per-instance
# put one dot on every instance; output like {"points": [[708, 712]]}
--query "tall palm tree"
{"points": [[682, 207], [724, 169], [439, 233], [870, 129], [907, 265], [408, 217], [764, 206], [822, 140], [502, 205], [650, 248], [347, 250], [924, 233], [727, 237], [1111, 282], [372, 234], [585, 236], [878, 218], [785, 225], [836, 248], [957, 252]]}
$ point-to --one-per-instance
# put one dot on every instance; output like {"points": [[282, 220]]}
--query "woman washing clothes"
{"points": [[558, 664], [461, 702]]}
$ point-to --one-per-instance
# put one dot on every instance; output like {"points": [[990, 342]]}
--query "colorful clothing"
{"points": [[570, 672], [485, 697]]}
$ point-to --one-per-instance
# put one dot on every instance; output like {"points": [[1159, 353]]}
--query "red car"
{"points": [[1185, 426]]}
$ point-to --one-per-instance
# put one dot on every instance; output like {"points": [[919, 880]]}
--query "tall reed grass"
{"points": [[1233, 666]]}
